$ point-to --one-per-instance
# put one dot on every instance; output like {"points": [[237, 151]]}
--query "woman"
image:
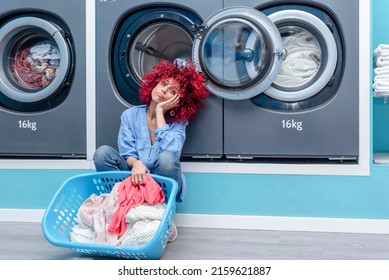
{"points": [[152, 135]]}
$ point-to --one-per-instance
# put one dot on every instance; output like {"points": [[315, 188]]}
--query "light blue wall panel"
{"points": [[289, 195], [31, 189]]}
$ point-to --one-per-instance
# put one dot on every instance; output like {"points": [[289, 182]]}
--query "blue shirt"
{"points": [[134, 139]]}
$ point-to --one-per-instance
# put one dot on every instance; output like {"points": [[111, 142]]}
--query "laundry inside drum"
{"points": [[303, 58], [33, 62]]}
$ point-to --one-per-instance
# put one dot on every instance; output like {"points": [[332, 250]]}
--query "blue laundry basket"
{"points": [[58, 219]]}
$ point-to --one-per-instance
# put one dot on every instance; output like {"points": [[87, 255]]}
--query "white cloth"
{"points": [[383, 70], [382, 61], [302, 61], [381, 77], [382, 83], [146, 211], [45, 51], [83, 235], [381, 93], [93, 219], [140, 234], [381, 86], [382, 54], [142, 224], [380, 48]]}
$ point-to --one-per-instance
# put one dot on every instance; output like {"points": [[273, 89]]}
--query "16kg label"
{"points": [[27, 124], [292, 124]]}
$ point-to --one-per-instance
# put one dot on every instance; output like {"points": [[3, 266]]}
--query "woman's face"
{"points": [[165, 90]]}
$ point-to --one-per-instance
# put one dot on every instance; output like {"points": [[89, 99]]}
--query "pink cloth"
{"points": [[131, 195]]}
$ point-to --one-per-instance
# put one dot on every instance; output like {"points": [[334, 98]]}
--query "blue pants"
{"points": [[107, 158]]}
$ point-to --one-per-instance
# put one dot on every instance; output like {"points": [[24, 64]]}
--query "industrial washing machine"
{"points": [[311, 109], [131, 37], [42, 79], [282, 73]]}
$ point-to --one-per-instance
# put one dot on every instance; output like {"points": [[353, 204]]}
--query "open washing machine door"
{"points": [[239, 50], [36, 64]]}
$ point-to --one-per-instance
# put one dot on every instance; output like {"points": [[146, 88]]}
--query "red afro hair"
{"points": [[192, 89]]}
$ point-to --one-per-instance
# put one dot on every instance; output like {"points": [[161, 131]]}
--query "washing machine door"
{"points": [[239, 49], [36, 61]]}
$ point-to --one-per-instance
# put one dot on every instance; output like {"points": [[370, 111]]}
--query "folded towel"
{"points": [[382, 61], [383, 53], [381, 77], [380, 48], [382, 56], [383, 70], [381, 93], [381, 83], [379, 87]]}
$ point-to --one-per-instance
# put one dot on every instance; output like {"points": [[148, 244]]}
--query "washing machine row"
{"points": [[282, 73], [42, 79]]}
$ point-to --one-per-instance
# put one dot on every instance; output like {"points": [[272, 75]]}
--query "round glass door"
{"points": [[36, 60], [240, 52]]}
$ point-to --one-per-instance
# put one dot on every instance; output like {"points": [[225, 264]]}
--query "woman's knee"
{"points": [[107, 158], [167, 161], [101, 152]]}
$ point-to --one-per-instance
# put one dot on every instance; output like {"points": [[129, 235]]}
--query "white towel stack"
{"points": [[381, 70]]}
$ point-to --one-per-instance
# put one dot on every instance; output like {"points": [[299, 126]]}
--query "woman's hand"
{"points": [[162, 107], [168, 104], [138, 172]]}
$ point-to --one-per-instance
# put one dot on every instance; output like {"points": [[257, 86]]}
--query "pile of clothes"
{"points": [[302, 61], [381, 70], [129, 215], [35, 67]]}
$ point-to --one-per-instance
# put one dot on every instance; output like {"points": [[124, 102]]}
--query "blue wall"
{"points": [[272, 195]]}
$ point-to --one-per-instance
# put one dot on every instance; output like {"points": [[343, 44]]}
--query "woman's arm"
{"points": [[162, 107], [169, 137]]}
